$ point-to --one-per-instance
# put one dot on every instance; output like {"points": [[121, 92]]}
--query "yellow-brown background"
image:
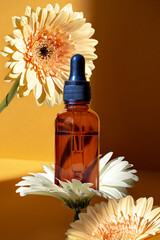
{"points": [[125, 93]]}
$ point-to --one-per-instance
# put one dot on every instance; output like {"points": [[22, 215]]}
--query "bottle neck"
{"points": [[83, 105]]}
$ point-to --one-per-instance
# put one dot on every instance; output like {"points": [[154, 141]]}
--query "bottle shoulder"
{"points": [[94, 114], [87, 121], [89, 113]]}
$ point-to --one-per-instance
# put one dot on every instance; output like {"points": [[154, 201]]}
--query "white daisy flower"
{"points": [[40, 48], [115, 176], [43, 184], [75, 195]]}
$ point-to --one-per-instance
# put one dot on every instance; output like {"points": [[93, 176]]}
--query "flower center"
{"points": [[119, 228], [44, 52], [48, 49]]}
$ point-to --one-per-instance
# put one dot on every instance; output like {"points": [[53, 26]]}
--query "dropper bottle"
{"points": [[77, 130]]}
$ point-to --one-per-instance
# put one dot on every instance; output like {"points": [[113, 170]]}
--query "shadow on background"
{"points": [[127, 79]]}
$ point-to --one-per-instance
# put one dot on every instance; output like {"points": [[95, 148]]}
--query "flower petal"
{"points": [[16, 22], [8, 38], [89, 56], [22, 81], [104, 160], [50, 87], [49, 7], [17, 33], [38, 90], [28, 11], [50, 101], [42, 97], [8, 50], [77, 36], [59, 82], [7, 64], [68, 8], [38, 12], [88, 42], [76, 15], [56, 7], [140, 206], [33, 20], [4, 54], [149, 205], [17, 56], [11, 76], [74, 25], [27, 31], [22, 91], [24, 21], [151, 215], [43, 18], [60, 19], [31, 79], [58, 97], [51, 17], [19, 67], [20, 45]]}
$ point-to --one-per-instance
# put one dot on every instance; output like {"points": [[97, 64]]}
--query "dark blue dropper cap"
{"points": [[77, 88]]}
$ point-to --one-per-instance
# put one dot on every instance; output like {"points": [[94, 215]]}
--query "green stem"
{"points": [[9, 96], [76, 217]]}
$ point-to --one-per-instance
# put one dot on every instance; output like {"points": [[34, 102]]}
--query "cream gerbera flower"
{"points": [[115, 176], [40, 49], [122, 219]]}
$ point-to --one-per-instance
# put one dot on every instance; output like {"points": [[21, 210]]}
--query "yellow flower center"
{"points": [[119, 228]]}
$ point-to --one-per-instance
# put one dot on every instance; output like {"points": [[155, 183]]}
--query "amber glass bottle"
{"points": [[77, 131]]}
